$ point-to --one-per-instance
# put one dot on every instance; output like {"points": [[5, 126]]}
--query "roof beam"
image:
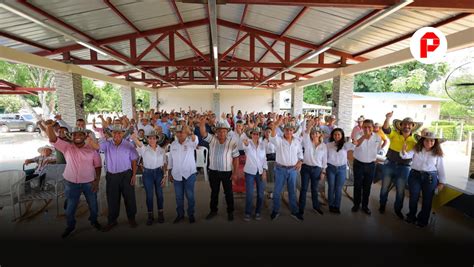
{"points": [[212, 8], [244, 13]]}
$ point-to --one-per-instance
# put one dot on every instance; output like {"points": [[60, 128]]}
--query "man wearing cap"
{"points": [[81, 174], [223, 165], [46, 157], [357, 130], [121, 161], [182, 165], [289, 158], [396, 169], [153, 156], [367, 145]]}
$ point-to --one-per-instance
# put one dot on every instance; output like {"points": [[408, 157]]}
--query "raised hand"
{"points": [[389, 115]]}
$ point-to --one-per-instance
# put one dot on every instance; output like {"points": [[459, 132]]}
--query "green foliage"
{"points": [[10, 103], [145, 97], [106, 98], [316, 93], [443, 123]]}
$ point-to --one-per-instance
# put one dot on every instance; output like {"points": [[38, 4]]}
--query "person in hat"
{"points": [[182, 166], [223, 165], [121, 161], [255, 171], [46, 157], [289, 158], [314, 165], [427, 174], [154, 168], [367, 145], [357, 130], [396, 169], [81, 174]]}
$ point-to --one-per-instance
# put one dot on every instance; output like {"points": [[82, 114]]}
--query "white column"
{"points": [[128, 100], [342, 91], [296, 100], [216, 104], [154, 99], [276, 101], [70, 96]]}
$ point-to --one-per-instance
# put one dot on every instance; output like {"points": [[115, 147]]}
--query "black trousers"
{"points": [[363, 175], [215, 179], [118, 184]]}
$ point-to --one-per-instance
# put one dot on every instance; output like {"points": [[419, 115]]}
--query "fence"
{"points": [[453, 132]]}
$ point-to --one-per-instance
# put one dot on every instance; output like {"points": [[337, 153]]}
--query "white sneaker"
{"points": [[258, 217], [247, 218]]}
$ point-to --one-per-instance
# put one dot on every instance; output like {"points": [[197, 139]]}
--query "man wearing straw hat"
{"points": [[289, 158], [223, 164], [121, 161], [396, 169], [81, 174]]}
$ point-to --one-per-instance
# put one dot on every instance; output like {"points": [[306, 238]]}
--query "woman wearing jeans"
{"points": [[255, 170], [427, 174], [337, 167], [314, 165], [153, 162]]}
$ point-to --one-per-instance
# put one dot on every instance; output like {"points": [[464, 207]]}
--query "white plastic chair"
{"points": [[10, 181], [201, 160]]}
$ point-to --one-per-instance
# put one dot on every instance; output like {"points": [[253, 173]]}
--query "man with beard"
{"points": [[81, 175], [396, 169]]}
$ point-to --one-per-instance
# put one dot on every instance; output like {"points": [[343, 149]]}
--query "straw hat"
{"points": [[249, 131], [397, 124], [316, 129], [45, 147], [76, 130], [360, 119], [220, 125], [290, 125], [160, 137], [429, 135]]}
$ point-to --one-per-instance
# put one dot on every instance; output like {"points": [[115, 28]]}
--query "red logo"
{"points": [[425, 47]]}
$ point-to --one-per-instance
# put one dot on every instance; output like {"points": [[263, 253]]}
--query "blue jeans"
{"points": [[282, 176], [249, 182], [397, 174], [181, 188], [152, 182], [336, 176], [309, 173], [424, 182], [72, 192]]}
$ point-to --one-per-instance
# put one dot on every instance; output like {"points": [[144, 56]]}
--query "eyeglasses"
{"points": [[255, 134]]}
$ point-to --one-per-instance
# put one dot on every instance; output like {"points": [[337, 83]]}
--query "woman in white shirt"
{"points": [[255, 170], [336, 170], [153, 157], [314, 165], [427, 173]]}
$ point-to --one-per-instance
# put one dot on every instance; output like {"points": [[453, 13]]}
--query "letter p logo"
{"points": [[425, 47], [428, 45]]}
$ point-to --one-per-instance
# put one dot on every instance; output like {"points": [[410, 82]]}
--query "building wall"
{"points": [[376, 109], [245, 100]]}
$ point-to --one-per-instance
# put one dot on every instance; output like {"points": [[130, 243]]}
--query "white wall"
{"points": [[245, 100]]}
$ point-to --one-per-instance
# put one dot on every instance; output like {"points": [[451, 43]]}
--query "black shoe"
{"points": [[400, 214], [366, 210], [68, 232], [178, 219], [298, 217], [132, 223], [150, 219], [97, 226], [230, 216], [192, 219], [382, 209], [355, 209], [337, 211], [109, 227], [420, 225], [318, 210], [161, 217], [274, 216], [211, 215], [410, 219]]}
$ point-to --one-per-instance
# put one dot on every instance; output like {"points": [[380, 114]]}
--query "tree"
{"points": [[317, 93]]}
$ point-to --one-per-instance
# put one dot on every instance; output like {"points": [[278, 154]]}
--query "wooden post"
{"points": [[460, 131]]}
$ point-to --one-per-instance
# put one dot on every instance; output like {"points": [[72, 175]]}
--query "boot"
{"points": [[150, 219], [161, 217]]}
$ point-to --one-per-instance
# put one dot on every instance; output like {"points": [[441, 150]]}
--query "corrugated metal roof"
{"points": [[399, 96]]}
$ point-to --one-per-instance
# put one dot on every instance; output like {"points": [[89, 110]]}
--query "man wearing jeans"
{"points": [[396, 169], [289, 158], [367, 144], [81, 175], [183, 170]]}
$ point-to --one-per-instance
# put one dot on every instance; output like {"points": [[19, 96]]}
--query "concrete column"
{"points": [[342, 90], [296, 100], [216, 104], [154, 99], [276, 101], [128, 100], [70, 96]]}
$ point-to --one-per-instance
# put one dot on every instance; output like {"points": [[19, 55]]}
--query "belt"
{"points": [[398, 163], [427, 172], [285, 167]]}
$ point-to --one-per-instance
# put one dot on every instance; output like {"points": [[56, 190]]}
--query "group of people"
{"points": [[317, 150]]}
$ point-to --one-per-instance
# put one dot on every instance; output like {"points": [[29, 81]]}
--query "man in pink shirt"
{"points": [[81, 175]]}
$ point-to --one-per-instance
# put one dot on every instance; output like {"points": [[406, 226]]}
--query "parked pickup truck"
{"points": [[22, 122]]}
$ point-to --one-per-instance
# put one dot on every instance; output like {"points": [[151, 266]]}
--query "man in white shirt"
{"points": [[289, 157], [182, 164], [147, 128], [223, 165], [367, 144]]}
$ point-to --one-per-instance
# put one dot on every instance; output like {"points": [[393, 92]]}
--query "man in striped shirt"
{"points": [[224, 161]]}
